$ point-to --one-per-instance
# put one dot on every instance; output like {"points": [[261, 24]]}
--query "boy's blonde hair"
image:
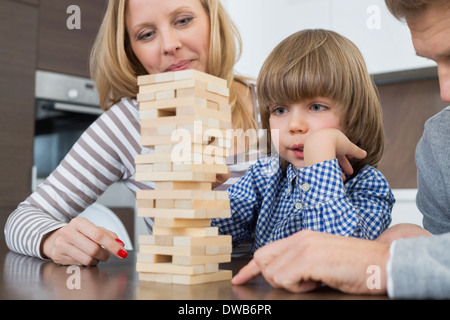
{"points": [[314, 63], [115, 68]]}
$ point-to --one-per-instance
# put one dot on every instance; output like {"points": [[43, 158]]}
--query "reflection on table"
{"points": [[25, 277]]}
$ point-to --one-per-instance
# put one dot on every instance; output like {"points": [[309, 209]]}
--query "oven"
{"points": [[65, 106]]}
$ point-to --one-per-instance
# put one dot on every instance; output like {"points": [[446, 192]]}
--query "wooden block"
{"points": [[186, 140], [182, 223], [182, 185], [201, 259], [204, 162], [198, 75], [155, 277], [153, 258], [215, 250], [160, 240], [212, 105], [180, 194], [161, 162], [144, 167], [164, 95], [158, 167], [156, 78], [163, 148], [211, 267], [172, 213], [195, 110], [148, 96], [199, 241], [171, 250], [221, 275], [183, 213], [164, 268], [166, 130], [201, 204], [165, 204], [176, 120], [192, 232], [199, 89], [166, 250], [211, 87], [173, 102], [148, 114], [215, 168], [176, 176], [153, 158], [150, 141], [164, 86], [145, 203], [217, 213]]}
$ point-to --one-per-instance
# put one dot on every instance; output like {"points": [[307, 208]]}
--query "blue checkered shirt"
{"points": [[273, 205]]}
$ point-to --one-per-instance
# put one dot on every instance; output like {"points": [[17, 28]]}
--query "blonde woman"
{"points": [[322, 108], [136, 37]]}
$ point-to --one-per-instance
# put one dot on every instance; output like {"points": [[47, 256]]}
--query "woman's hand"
{"points": [[81, 243], [327, 144], [221, 178]]}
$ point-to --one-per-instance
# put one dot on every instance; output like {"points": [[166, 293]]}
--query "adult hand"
{"points": [[307, 259], [402, 230], [82, 243]]}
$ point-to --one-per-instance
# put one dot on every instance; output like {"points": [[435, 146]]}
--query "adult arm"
{"points": [[420, 268], [433, 173], [103, 155]]}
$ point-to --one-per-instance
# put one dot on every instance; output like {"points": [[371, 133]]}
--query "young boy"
{"points": [[321, 107]]}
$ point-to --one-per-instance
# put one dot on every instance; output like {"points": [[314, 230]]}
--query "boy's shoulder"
{"points": [[369, 175]]}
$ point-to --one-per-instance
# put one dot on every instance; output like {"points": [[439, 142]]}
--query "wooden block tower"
{"points": [[184, 118]]}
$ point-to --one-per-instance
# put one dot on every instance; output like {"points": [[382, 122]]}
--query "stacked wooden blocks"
{"points": [[184, 117]]}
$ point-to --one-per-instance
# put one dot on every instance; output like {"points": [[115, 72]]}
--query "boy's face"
{"points": [[430, 33], [291, 125]]}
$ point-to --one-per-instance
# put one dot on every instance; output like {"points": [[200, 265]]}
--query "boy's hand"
{"points": [[327, 144]]}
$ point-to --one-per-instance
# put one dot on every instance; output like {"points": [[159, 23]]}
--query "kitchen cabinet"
{"points": [[34, 35], [406, 107], [18, 36], [65, 50]]}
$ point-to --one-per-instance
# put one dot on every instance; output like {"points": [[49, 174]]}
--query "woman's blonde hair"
{"points": [[115, 68], [314, 63]]}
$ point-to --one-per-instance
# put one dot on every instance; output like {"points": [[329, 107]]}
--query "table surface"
{"points": [[25, 278]]}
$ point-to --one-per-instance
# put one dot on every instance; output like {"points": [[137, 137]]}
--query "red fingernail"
{"points": [[122, 253], [121, 242]]}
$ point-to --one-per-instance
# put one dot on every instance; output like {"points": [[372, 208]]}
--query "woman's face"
{"points": [[169, 35]]}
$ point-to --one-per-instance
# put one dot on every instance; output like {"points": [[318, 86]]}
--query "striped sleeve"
{"points": [[103, 155]]}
